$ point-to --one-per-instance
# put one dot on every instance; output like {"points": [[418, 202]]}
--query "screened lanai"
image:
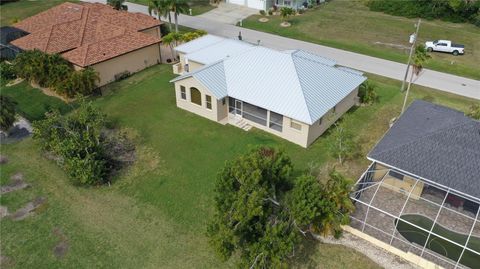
{"points": [[416, 215]]}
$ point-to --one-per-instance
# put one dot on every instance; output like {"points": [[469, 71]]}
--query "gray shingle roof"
{"points": [[437, 143]]}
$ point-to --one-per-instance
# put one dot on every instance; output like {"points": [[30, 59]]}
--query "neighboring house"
{"points": [[421, 194], [293, 94], [111, 42], [266, 4], [7, 35]]}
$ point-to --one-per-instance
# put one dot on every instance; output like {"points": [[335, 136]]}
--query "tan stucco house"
{"points": [[294, 94], [94, 35]]}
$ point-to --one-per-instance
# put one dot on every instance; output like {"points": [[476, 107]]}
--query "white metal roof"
{"points": [[218, 51], [297, 84], [199, 43]]}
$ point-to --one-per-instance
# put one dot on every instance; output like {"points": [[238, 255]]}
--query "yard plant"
{"points": [[7, 112]]}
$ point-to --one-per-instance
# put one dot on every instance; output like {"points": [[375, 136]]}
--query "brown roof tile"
{"points": [[86, 33]]}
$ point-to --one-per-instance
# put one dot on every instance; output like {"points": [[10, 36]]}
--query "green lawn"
{"points": [[155, 213], [32, 103], [438, 244], [25, 8], [349, 25]]}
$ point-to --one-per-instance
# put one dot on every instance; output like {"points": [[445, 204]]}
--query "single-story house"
{"points": [[267, 4], [94, 35], [421, 193], [293, 94]]}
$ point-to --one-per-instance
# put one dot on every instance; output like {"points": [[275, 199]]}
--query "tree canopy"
{"points": [[262, 214]]}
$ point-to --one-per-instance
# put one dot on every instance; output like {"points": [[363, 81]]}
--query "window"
{"points": [[183, 93], [208, 101], [295, 125], [320, 121], [195, 96], [276, 121]]}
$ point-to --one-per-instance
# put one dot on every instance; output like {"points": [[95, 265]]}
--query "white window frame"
{"points": [[208, 102]]}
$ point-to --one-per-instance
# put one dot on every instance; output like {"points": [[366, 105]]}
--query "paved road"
{"points": [[429, 78]]}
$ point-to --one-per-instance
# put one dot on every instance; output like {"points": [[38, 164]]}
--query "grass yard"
{"points": [[32, 103], [21, 9], [155, 213], [438, 244], [351, 26]]}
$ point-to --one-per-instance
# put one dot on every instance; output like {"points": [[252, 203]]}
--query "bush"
{"points": [[54, 72], [78, 141], [262, 12], [270, 12], [474, 111], [367, 93], [7, 113], [453, 10], [7, 71]]}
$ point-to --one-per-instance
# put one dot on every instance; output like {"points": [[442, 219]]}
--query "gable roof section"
{"points": [[75, 27], [199, 43], [297, 84], [436, 143]]}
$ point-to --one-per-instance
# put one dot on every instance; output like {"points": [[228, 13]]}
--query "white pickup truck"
{"points": [[445, 46]]}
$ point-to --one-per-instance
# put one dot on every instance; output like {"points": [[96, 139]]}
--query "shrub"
{"points": [[286, 12], [7, 112], [270, 12], [474, 111], [262, 12], [79, 82], [367, 93], [454, 10], [7, 71]]}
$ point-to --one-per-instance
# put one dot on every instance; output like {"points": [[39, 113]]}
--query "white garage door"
{"points": [[256, 4], [237, 2]]}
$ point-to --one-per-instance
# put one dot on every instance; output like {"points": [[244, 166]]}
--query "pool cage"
{"points": [[418, 216]]}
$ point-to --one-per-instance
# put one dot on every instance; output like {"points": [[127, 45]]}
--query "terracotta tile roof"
{"points": [[86, 33]]}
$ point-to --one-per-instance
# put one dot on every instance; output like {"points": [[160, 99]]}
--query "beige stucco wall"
{"points": [[343, 106], [154, 31], [133, 62], [192, 65], [218, 111]]}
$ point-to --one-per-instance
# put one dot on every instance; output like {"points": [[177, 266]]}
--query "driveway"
{"points": [[228, 13]]}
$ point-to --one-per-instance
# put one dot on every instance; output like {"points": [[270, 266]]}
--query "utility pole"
{"points": [[413, 42]]}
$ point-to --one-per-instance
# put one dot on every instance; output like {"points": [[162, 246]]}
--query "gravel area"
{"points": [[376, 254]]}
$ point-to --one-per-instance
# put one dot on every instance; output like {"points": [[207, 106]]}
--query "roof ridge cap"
{"points": [[49, 37], [84, 24], [301, 89]]}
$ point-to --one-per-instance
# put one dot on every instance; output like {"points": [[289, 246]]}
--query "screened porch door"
{"points": [[238, 108]]}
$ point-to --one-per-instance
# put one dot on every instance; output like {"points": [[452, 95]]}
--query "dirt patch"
{"points": [[28, 209], [285, 24], [6, 262], [3, 211], [14, 82], [61, 248], [17, 184], [3, 159], [392, 45], [50, 92]]}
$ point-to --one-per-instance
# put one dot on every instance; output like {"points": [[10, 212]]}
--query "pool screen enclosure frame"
{"points": [[383, 194]]}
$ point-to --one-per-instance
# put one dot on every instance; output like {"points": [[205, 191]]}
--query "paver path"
{"points": [[429, 78]]}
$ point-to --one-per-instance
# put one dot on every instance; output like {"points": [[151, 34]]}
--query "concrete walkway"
{"points": [[228, 13], [433, 79]]}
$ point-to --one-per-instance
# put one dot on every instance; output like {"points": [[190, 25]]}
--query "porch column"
{"points": [[268, 118]]}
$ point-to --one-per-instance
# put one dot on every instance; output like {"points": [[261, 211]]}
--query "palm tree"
{"points": [[177, 7], [172, 40], [160, 8], [419, 58], [117, 4]]}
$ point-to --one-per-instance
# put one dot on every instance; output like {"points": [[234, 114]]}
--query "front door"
{"points": [[238, 108]]}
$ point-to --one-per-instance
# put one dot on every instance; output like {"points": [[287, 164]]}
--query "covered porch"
{"points": [[246, 115]]}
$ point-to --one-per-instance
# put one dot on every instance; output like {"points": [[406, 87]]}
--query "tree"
{"points": [[78, 141], [160, 8], [7, 112], [420, 56], [117, 4], [286, 12], [172, 40], [7, 71], [343, 145], [474, 111], [80, 82], [250, 215], [321, 207], [367, 92], [177, 7]]}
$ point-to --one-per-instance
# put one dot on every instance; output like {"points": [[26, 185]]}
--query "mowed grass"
{"points": [[351, 26], [198, 6], [155, 214], [14, 11]]}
